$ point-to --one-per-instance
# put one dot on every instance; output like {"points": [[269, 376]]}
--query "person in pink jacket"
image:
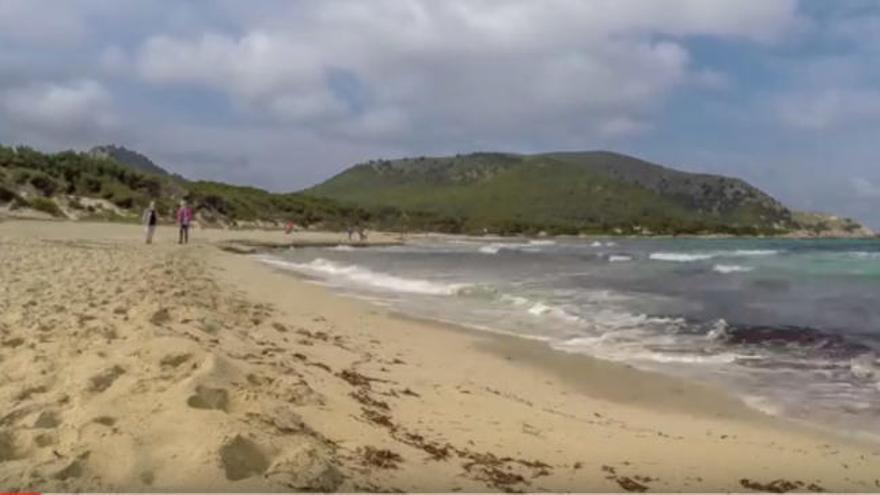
{"points": [[184, 219]]}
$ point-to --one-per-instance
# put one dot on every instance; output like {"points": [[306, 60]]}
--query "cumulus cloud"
{"points": [[442, 70], [70, 108], [51, 104]]}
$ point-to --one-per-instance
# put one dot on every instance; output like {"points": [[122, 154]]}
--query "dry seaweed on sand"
{"points": [[778, 486], [379, 458]]}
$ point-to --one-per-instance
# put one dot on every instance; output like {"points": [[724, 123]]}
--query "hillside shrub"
{"points": [[6, 195], [44, 184], [46, 206]]}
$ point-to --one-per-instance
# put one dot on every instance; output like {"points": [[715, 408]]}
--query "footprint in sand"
{"points": [[73, 470], [44, 440], [160, 317], [175, 360], [209, 398], [105, 420], [8, 449], [242, 458], [13, 342], [103, 380], [47, 420], [147, 478]]}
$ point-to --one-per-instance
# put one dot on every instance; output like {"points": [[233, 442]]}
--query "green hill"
{"points": [[97, 187], [125, 156], [560, 193], [557, 193]]}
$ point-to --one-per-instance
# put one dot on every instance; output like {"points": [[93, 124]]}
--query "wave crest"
{"points": [[369, 278], [732, 269]]}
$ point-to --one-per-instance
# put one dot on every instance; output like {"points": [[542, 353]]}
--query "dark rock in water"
{"points": [[822, 342]]}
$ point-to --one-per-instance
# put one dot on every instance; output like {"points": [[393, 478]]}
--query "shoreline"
{"points": [[632, 385], [647, 392], [187, 368]]}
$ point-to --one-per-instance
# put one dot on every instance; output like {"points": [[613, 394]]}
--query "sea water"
{"points": [[792, 326]]}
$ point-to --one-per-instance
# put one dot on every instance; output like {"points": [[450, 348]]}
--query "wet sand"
{"points": [[187, 368]]}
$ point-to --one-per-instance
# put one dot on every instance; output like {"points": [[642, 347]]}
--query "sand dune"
{"points": [[167, 368]]}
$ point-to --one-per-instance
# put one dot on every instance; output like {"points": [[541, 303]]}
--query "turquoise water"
{"points": [[792, 326]]}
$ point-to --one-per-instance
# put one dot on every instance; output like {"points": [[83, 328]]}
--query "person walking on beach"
{"points": [[184, 218], [151, 218]]}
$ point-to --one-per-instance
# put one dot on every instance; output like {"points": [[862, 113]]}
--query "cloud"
{"points": [[442, 70], [73, 108], [51, 104], [865, 189]]}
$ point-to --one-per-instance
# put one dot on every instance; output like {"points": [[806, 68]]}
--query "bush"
{"points": [[92, 185], [76, 204], [126, 202], [7, 195], [46, 206], [19, 202], [21, 177], [44, 184]]}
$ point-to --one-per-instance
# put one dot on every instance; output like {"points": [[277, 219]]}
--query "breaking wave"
{"points": [[702, 256], [732, 268], [619, 258], [531, 246], [368, 278], [680, 257]]}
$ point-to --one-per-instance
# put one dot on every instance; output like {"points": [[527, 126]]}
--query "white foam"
{"points": [[341, 247], [542, 309], [493, 248], [732, 268], [762, 404], [515, 300], [610, 346], [718, 331], [707, 255], [680, 257], [666, 358], [864, 367], [531, 246], [615, 258], [366, 277], [538, 309], [595, 244], [751, 252]]}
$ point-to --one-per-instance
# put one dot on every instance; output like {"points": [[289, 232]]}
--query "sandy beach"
{"points": [[127, 367]]}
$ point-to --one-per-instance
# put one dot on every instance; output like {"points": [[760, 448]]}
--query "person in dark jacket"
{"points": [[151, 219]]}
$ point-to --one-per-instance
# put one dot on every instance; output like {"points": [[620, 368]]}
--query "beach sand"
{"points": [[186, 368]]}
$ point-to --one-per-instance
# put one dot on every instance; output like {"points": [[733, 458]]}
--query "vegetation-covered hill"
{"points": [[561, 193], [125, 156], [93, 186], [557, 193]]}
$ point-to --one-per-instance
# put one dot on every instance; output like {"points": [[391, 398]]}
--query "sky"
{"points": [[283, 94]]}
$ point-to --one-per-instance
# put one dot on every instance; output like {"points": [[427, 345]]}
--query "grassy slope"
{"points": [[41, 181], [559, 193], [572, 191]]}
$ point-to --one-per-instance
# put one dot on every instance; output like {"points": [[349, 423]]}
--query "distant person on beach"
{"points": [[184, 218], [350, 231], [151, 218]]}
